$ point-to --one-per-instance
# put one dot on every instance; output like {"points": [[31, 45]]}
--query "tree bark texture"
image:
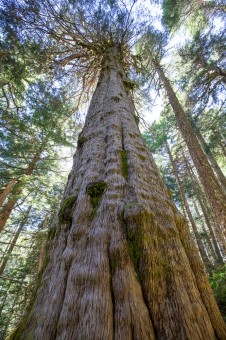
{"points": [[214, 191], [5, 192], [122, 265]]}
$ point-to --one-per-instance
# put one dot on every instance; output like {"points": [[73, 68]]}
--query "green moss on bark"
{"points": [[81, 140], [116, 98], [65, 213], [137, 120], [142, 157], [133, 220], [129, 84], [124, 163], [135, 241], [51, 233], [95, 191]]}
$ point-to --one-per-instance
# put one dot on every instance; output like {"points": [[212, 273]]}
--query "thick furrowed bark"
{"points": [[202, 281], [117, 269]]}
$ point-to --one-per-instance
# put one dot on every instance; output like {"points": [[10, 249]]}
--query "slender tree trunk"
{"points": [[205, 231], [11, 203], [213, 190], [122, 264], [212, 160], [14, 240], [3, 301], [8, 208], [7, 190], [223, 144], [42, 246], [211, 231], [201, 248], [221, 140], [219, 234]]}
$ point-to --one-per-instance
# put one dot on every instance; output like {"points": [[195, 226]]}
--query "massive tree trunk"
{"points": [[214, 191], [18, 187], [122, 263]]}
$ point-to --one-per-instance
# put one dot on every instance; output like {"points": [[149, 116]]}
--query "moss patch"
{"points": [[136, 217], [51, 233], [65, 213], [137, 120], [161, 269], [135, 235], [135, 241], [116, 98], [142, 157], [124, 163], [129, 84], [95, 191], [81, 140]]}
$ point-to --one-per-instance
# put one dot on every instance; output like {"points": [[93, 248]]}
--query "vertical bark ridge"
{"points": [[129, 277]]}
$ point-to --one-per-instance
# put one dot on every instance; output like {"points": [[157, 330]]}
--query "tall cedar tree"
{"points": [[122, 263]]}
